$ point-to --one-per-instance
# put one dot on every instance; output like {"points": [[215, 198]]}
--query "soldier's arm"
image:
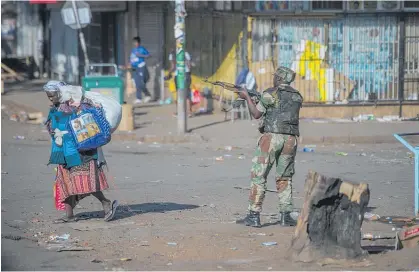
{"points": [[253, 108], [266, 100]]}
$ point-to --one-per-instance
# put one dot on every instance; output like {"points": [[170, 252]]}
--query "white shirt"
{"points": [[250, 81], [187, 57]]}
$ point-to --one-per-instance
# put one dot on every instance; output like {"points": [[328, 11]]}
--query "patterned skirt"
{"points": [[80, 181]]}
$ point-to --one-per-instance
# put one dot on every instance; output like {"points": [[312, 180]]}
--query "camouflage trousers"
{"points": [[278, 149]]}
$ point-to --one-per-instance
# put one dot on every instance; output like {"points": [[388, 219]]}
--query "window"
{"points": [[237, 5], [327, 5], [248, 5], [411, 4], [222, 5], [388, 5], [282, 5], [355, 5], [370, 5]]}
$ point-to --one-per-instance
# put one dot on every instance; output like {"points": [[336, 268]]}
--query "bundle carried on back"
{"points": [[91, 117], [111, 107]]}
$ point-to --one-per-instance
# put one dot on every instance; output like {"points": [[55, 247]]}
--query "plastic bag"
{"points": [[111, 107], [195, 97], [89, 128]]}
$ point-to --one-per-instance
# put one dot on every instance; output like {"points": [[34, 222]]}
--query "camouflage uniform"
{"points": [[280, 106], [273, 148]]}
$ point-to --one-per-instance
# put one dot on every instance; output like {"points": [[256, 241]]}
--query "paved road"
{"points": [[182, 194]]}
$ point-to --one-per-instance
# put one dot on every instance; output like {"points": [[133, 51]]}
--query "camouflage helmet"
{"points": [[284, 75]]}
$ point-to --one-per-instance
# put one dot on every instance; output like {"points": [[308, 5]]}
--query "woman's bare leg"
{"points": [[69, 211], [106, 203]]}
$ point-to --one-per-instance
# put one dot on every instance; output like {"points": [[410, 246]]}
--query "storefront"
{"points": [[339, 57], [104, 40]]}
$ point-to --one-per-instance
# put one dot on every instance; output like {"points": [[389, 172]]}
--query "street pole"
{"points": [[180, 65], [81, 35]]}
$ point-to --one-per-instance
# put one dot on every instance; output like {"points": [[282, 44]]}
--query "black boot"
{"points": [[286, 220], [252, 220]]}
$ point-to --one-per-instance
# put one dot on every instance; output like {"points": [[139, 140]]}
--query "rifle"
{"points": [[255, 95]]}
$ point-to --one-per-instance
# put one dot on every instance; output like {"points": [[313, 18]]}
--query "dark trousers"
{"points": [[141, 78]]}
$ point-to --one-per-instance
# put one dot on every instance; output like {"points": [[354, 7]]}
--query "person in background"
{"points": [[139, 70], [246, 80], [188, 80], [79, 174]]}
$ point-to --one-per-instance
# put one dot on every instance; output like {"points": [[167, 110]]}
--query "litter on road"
{"points": [[371, 216], [371, 236], [247, 188], [269, 244], [63, 237], [74, 248]]}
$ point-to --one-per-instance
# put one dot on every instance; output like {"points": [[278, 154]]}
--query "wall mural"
{"points": [[367, 55], [359, 59]]}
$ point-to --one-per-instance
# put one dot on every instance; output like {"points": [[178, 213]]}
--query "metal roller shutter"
{"points": [[151, 31]]}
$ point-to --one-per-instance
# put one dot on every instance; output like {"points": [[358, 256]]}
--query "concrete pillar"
{"points": [[127, 122]]}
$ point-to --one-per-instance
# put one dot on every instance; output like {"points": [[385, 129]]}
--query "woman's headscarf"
{"points": [[66, 92]]}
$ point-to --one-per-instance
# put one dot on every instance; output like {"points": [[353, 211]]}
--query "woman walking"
{"points": [[79, 174]]}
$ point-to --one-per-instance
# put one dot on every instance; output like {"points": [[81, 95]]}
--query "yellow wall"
{"points": [[226, 72]]}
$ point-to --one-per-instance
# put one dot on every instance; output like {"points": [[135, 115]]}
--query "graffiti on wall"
{"points": [[304, 51], [364, 56], [309, 64]]}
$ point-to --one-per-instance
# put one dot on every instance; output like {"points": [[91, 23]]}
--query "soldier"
{"points": [[280, 108]]}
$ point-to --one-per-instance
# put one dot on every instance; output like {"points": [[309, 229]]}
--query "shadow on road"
{"points": [[126, 211]]}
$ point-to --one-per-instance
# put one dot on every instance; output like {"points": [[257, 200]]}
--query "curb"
{"points": [[374, 139], [196, 138], [162, 139]]}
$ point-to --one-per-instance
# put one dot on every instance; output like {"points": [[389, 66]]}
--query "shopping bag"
{"points": [[195, 97], [89, 128]]}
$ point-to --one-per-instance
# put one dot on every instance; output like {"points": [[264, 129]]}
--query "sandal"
{"points": [[65, 219], [111, 214]]}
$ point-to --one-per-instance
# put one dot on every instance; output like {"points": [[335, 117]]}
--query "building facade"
{"points": [[343, 51]]}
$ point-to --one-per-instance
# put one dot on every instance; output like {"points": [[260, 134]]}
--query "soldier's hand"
{"points": [[243, 94]]}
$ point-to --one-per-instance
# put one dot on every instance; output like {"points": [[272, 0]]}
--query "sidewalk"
{"points": [[155, 123]]}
